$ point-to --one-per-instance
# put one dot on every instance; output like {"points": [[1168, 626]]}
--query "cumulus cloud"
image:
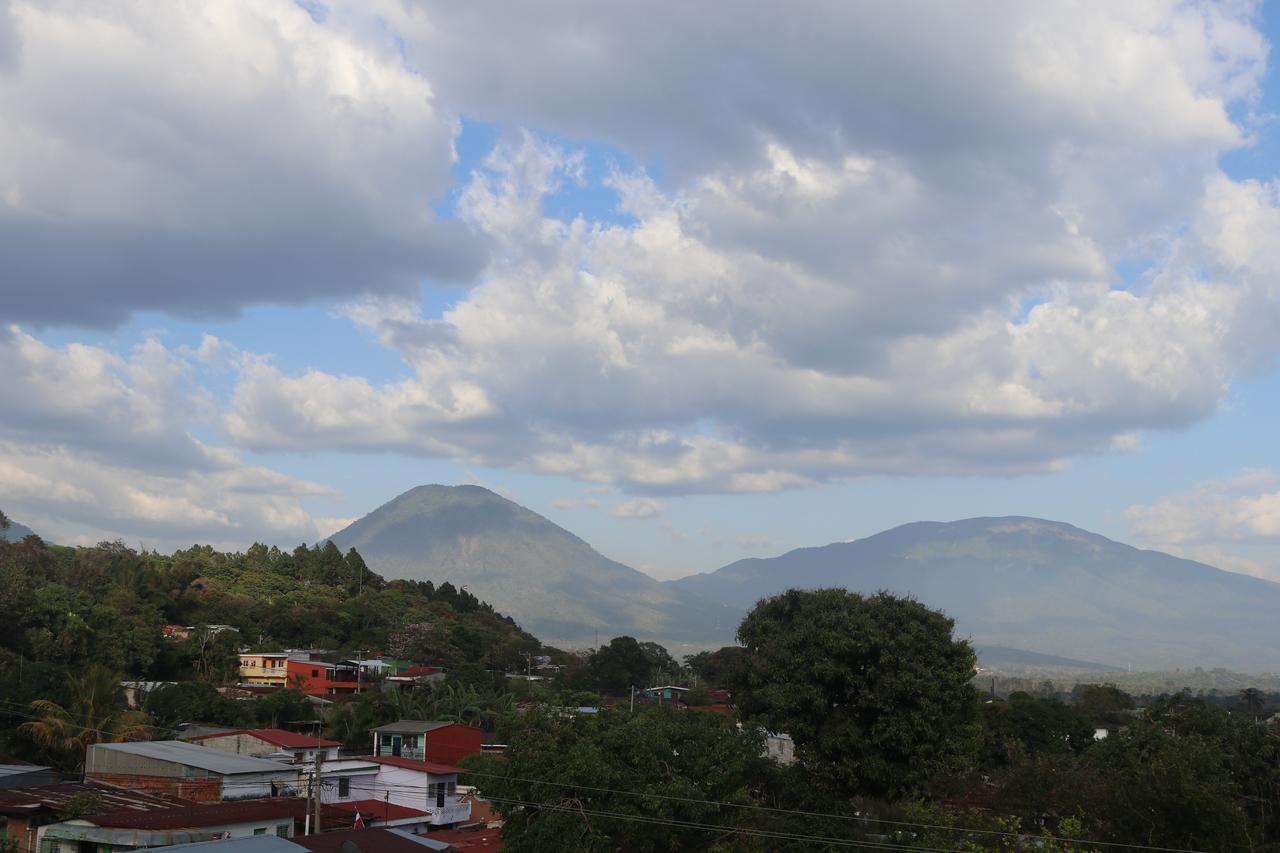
{"points": [[874, 248], [194, 158], [1217, 521], [98, 445], [646, 355]]}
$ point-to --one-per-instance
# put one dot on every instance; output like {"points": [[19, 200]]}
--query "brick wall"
{"points": [[17, 830], [205, 790]]}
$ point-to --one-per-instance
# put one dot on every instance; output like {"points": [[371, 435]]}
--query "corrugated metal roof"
{"points": [[412, 727], [254, 844], [17, 769], [193, 755], [372, 841], [414, 764], [204, 815], [20, 801], [278, 737]]}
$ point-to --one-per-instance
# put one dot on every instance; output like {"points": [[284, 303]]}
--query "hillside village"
{"points": [[188, 701]]}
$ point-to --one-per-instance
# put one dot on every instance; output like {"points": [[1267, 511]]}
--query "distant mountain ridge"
{"points": [[550, 581], [15, 532], [1025, 590], [1032, 584]]}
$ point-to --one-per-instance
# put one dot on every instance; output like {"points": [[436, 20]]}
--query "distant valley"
{"points": [[1022, 588]]}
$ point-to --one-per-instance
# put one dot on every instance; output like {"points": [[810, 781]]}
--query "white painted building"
{"points": [[422, 785]]}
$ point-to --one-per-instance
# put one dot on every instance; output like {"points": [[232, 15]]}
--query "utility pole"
{"points": [[633, 698], [319, 761]]}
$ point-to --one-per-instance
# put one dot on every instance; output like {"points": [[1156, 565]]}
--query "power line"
{"points": [[404, 788]]}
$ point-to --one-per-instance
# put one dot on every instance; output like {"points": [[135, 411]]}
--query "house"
{"points": [[302, 670], [666, 693], [780, 747], [446, 743], [321, 678], [262, 743], [131, 829], [268, 669], [23, 811], [346, 780], [414, 676], [23, 775], [187, 770], [426, 785]]}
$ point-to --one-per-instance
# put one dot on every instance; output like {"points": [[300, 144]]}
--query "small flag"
{"points": [[359, 821]]}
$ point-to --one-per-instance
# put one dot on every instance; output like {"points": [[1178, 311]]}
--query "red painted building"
{"points": [[319, 678], [447, 743]]}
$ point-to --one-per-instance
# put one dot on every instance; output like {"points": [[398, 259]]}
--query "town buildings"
{"points": [[188, 770], [275, 743], [443, 742]]}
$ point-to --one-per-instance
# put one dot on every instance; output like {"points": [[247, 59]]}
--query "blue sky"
{"points": [[689, 315]]}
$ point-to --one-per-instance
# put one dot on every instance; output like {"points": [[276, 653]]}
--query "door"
{"points": [[396, 744]]}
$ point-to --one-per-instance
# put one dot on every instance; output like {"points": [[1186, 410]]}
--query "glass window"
{"points": [[344, 787], [282, 830], [453, 789], [262, 830]]}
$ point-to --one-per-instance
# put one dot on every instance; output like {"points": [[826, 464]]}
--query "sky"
{"points": [[695, 282]]}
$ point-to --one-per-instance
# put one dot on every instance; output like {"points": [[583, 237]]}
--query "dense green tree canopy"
{"points": [[593, 775], [874, 690]]}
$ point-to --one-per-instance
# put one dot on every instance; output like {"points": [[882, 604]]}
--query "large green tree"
{"points": [[874, 690], [616, 781]]}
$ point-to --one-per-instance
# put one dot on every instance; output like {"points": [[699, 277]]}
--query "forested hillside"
{"points": [[68, 608]]}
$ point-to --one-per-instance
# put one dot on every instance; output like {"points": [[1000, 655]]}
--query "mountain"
{"points": [[551, 582], [1041, 586], [999, 657], [15, 532]]}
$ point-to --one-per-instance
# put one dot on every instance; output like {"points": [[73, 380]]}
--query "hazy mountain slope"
{"points": [[15, 532], [1041, 586], [550, 581]]}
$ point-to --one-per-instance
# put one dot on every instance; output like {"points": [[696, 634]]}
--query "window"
{"points": [[453, 789], [431, 791], [344, 787], [283, 829], [315, 673], [262, 830]]}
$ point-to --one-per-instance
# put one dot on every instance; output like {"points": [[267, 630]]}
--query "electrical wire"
{"points": [[797, 812]]}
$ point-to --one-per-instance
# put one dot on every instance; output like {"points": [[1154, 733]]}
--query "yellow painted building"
{"points": [[270, 669]]}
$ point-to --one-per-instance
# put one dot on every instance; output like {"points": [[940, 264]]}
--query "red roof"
{"points": [[411, 764], [278, 737], [419, 670], [208, 814], [469, 838], [377, 810], [21, 801]]}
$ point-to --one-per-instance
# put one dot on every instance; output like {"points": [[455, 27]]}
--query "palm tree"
{"points": [[1252, 698], [94, 715]]}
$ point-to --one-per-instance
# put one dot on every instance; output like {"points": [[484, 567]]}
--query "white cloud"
{"points": [[875, 248], [96, 445], [646, 356], [1219, 522], [637, 508], [197, 157]]}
